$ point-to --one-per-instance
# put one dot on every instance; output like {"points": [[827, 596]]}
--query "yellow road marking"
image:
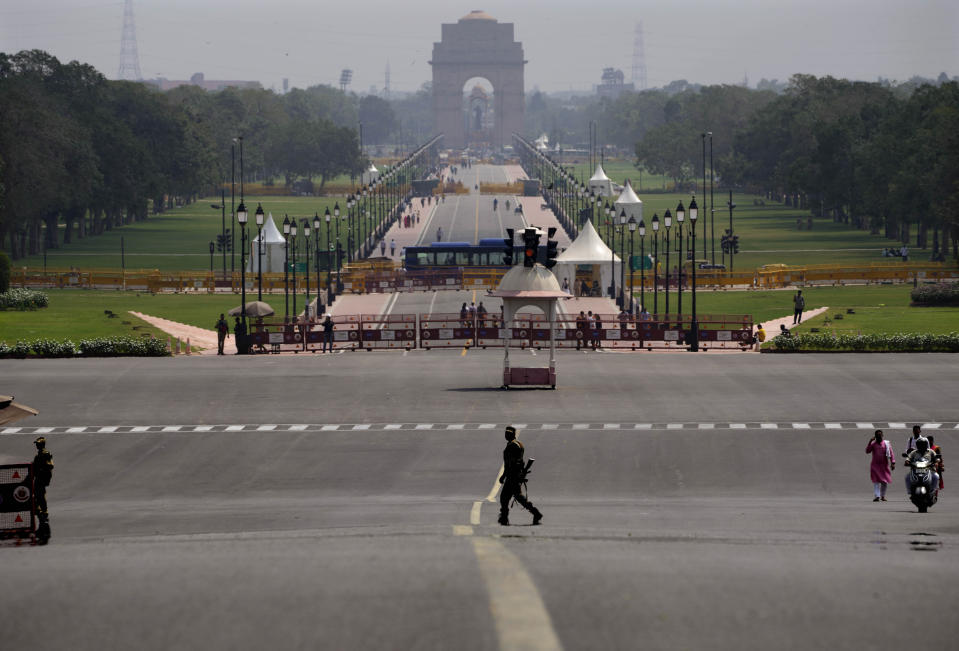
{"points": [[476, 233], [496, 485], [462, 530], [521, 618], [475, 513]]}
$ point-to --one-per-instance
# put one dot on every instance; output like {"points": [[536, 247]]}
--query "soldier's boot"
{"points": [[503, 519], [537, 516]]}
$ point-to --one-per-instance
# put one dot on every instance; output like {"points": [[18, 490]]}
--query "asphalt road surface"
{"points": [[347, 501]]}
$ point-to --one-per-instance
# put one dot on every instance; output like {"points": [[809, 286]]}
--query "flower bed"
{"points": [[940, 294], [875, 343], [23, 299], [102, 347]]}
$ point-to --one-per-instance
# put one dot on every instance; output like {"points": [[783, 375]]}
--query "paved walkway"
{"points": [[408, 236], [198, 337], [772, 326]]}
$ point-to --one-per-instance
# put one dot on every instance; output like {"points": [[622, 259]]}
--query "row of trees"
{"points": [[878, 156], [82, 154]]}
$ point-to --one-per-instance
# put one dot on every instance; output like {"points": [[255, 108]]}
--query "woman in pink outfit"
{"points": [[883, 463]]}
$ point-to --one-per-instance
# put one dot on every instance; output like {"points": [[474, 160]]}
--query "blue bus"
{"points": [[488, 253]]}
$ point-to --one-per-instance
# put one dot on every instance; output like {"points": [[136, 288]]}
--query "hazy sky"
{"points": [[566, 42]]}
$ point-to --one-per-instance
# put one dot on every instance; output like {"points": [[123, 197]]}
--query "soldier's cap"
{"points": [[510, 429], [40, 441]]}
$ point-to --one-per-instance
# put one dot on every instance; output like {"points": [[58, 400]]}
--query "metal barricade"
{"points": [[386, 332], [445, 331]]}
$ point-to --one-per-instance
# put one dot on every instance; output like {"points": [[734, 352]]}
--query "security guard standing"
{"points": [[514, 478], [42, 474]]}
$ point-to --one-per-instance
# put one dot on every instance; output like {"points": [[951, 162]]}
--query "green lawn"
{"points": [[767, 234], [619, 170], [878, 308], [79, 314], [179, 239]]}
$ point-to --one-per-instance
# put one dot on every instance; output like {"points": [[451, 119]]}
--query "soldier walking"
{"points": [[514, 479], [42, 474]]}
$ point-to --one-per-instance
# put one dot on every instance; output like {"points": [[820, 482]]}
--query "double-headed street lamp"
{"points": [[259, 250], [693, 325], [632, 229], [656, 265], [350, 202], [610, 217], [286, 268], [336, 214]]}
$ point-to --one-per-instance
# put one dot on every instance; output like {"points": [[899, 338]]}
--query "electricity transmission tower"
{"points": [[129, 59], [639, 58]]}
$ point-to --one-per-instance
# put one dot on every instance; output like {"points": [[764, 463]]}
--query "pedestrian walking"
{"points": [[42, 474], [597, 331], [581, 329], [904, 253], [239, 336], [513, 479], [392, 247], [566, 285], [222, 330], [481, 313], [439, 234], [327, 334], [798, 304], [882, 464], [382, 247], [623, 320], [464, 316]]}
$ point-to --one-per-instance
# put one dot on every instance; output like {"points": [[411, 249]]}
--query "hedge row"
{"points": [[23, 299], [102, 347], [939, 294], [895, 343]]}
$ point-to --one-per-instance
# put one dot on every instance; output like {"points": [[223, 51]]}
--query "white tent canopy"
{"points": [[629, 202], [371, 174], [600, 184], [274, 249], [588, 250]]}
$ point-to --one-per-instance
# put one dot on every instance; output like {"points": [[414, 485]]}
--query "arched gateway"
{"points": [[477, 46]]}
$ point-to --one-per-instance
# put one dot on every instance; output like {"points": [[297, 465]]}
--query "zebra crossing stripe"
{"points": [[375, 427]]}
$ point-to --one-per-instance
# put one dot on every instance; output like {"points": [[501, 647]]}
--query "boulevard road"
{"points": [[347, 501]]}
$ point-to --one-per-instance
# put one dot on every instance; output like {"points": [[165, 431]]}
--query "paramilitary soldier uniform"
{"points": [[514, 476], [42, 474]]}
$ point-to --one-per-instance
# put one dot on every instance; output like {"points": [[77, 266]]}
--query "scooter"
{"points": [[923, 493]]}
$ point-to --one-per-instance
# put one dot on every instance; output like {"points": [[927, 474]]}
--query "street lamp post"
{"points": [[680, 216], [622, 254], [306, 254], [259, 251], [241, 216], [693, 325], [212, 247], [286, 268], [731, 206], [610, 214], [632, 230], [656, 265], [350, 202], [336, 214], [294, 231], [329, 260], [316, 260], [642, 265], [668, 221]]}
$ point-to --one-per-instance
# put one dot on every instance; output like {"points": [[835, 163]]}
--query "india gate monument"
{"points": [[477, 46]]}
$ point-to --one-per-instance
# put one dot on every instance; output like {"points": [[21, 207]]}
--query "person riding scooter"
{"points": [[922, 462]]}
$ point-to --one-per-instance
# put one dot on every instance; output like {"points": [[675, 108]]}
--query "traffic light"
{"points": [[530, 246], [724, 243], [552, 247], [735, 243], [508, 248]]}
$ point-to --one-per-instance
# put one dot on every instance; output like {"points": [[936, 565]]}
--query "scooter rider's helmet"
{"points": [[922, 445], [510, 433], [40, 442]]}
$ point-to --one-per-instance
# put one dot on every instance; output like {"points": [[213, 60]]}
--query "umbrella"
{"points": [[253, 308], [11, 412]]}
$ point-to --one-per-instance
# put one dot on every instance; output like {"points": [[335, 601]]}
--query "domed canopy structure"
{"points": [[273, 245], [371, 174], [588, 250], [477, 14], [529, 282]]}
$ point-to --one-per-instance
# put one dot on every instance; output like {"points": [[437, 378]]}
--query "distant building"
{"points": [[198, 80], [613, 84]]}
